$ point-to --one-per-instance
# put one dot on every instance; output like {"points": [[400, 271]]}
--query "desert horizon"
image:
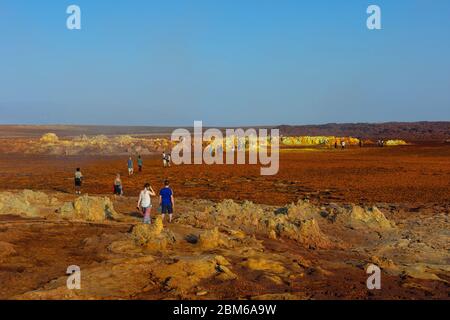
{"points": [[415, 131]]}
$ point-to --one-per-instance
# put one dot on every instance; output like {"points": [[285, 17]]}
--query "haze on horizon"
{"points": [[168, 63]]}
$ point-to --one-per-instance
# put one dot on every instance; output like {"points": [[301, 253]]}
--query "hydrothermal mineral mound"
{"points": [[224, 250], [51, 144]]}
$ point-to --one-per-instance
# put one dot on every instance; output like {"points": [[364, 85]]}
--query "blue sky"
{"points": [[226, 62]]}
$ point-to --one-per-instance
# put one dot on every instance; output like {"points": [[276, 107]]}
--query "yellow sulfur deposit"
{"points": [[395, 143], [317, 140], [49, 143], [49, 138]]}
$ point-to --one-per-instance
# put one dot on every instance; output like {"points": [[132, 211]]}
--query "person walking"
{"points": [[164, 159], [168, 159], [130, 166], [118, 188], [145, 202], [166, 201], [140, 163], [78, 181]]}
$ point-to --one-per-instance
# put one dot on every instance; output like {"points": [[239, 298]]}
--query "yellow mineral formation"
{"points": [[317, 140], [396, 143], [99, 144], [88, 208], [49, 138]]}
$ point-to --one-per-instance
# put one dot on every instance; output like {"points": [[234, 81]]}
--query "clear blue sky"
{"points": [[226, 62]]}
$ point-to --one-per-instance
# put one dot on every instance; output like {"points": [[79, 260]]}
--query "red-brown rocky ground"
{"points": [[416, 174], [410, 184]]}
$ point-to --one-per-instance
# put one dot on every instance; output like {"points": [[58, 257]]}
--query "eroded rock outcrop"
{"points": [[50, 143], [27, 203], [252, 219], [49, 138], [186, 272], [391, 143], [88, 208], [153, 236], [367, 218], [309, 234], [318, 140], [211, 239]]}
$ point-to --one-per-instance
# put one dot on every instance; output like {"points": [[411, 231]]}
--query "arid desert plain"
{"points": [[308, 232]]}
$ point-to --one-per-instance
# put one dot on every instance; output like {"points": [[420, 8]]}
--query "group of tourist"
{"points": [[130, 165], [144, 205], [343, 144], [166, 202]]}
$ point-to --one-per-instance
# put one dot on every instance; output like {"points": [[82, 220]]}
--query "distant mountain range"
{"points": [[410, 131]]}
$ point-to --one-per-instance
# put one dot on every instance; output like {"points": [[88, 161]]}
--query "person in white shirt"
{"points": [[164, 158], [78, 181], [145, 202]]}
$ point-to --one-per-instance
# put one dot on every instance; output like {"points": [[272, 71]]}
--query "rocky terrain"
{"points": [[409, 131], [51, 144], [222, 250], [331, 141], [310, 232]]}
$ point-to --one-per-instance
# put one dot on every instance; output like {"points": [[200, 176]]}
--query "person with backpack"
{"points": [[145, 202]]}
